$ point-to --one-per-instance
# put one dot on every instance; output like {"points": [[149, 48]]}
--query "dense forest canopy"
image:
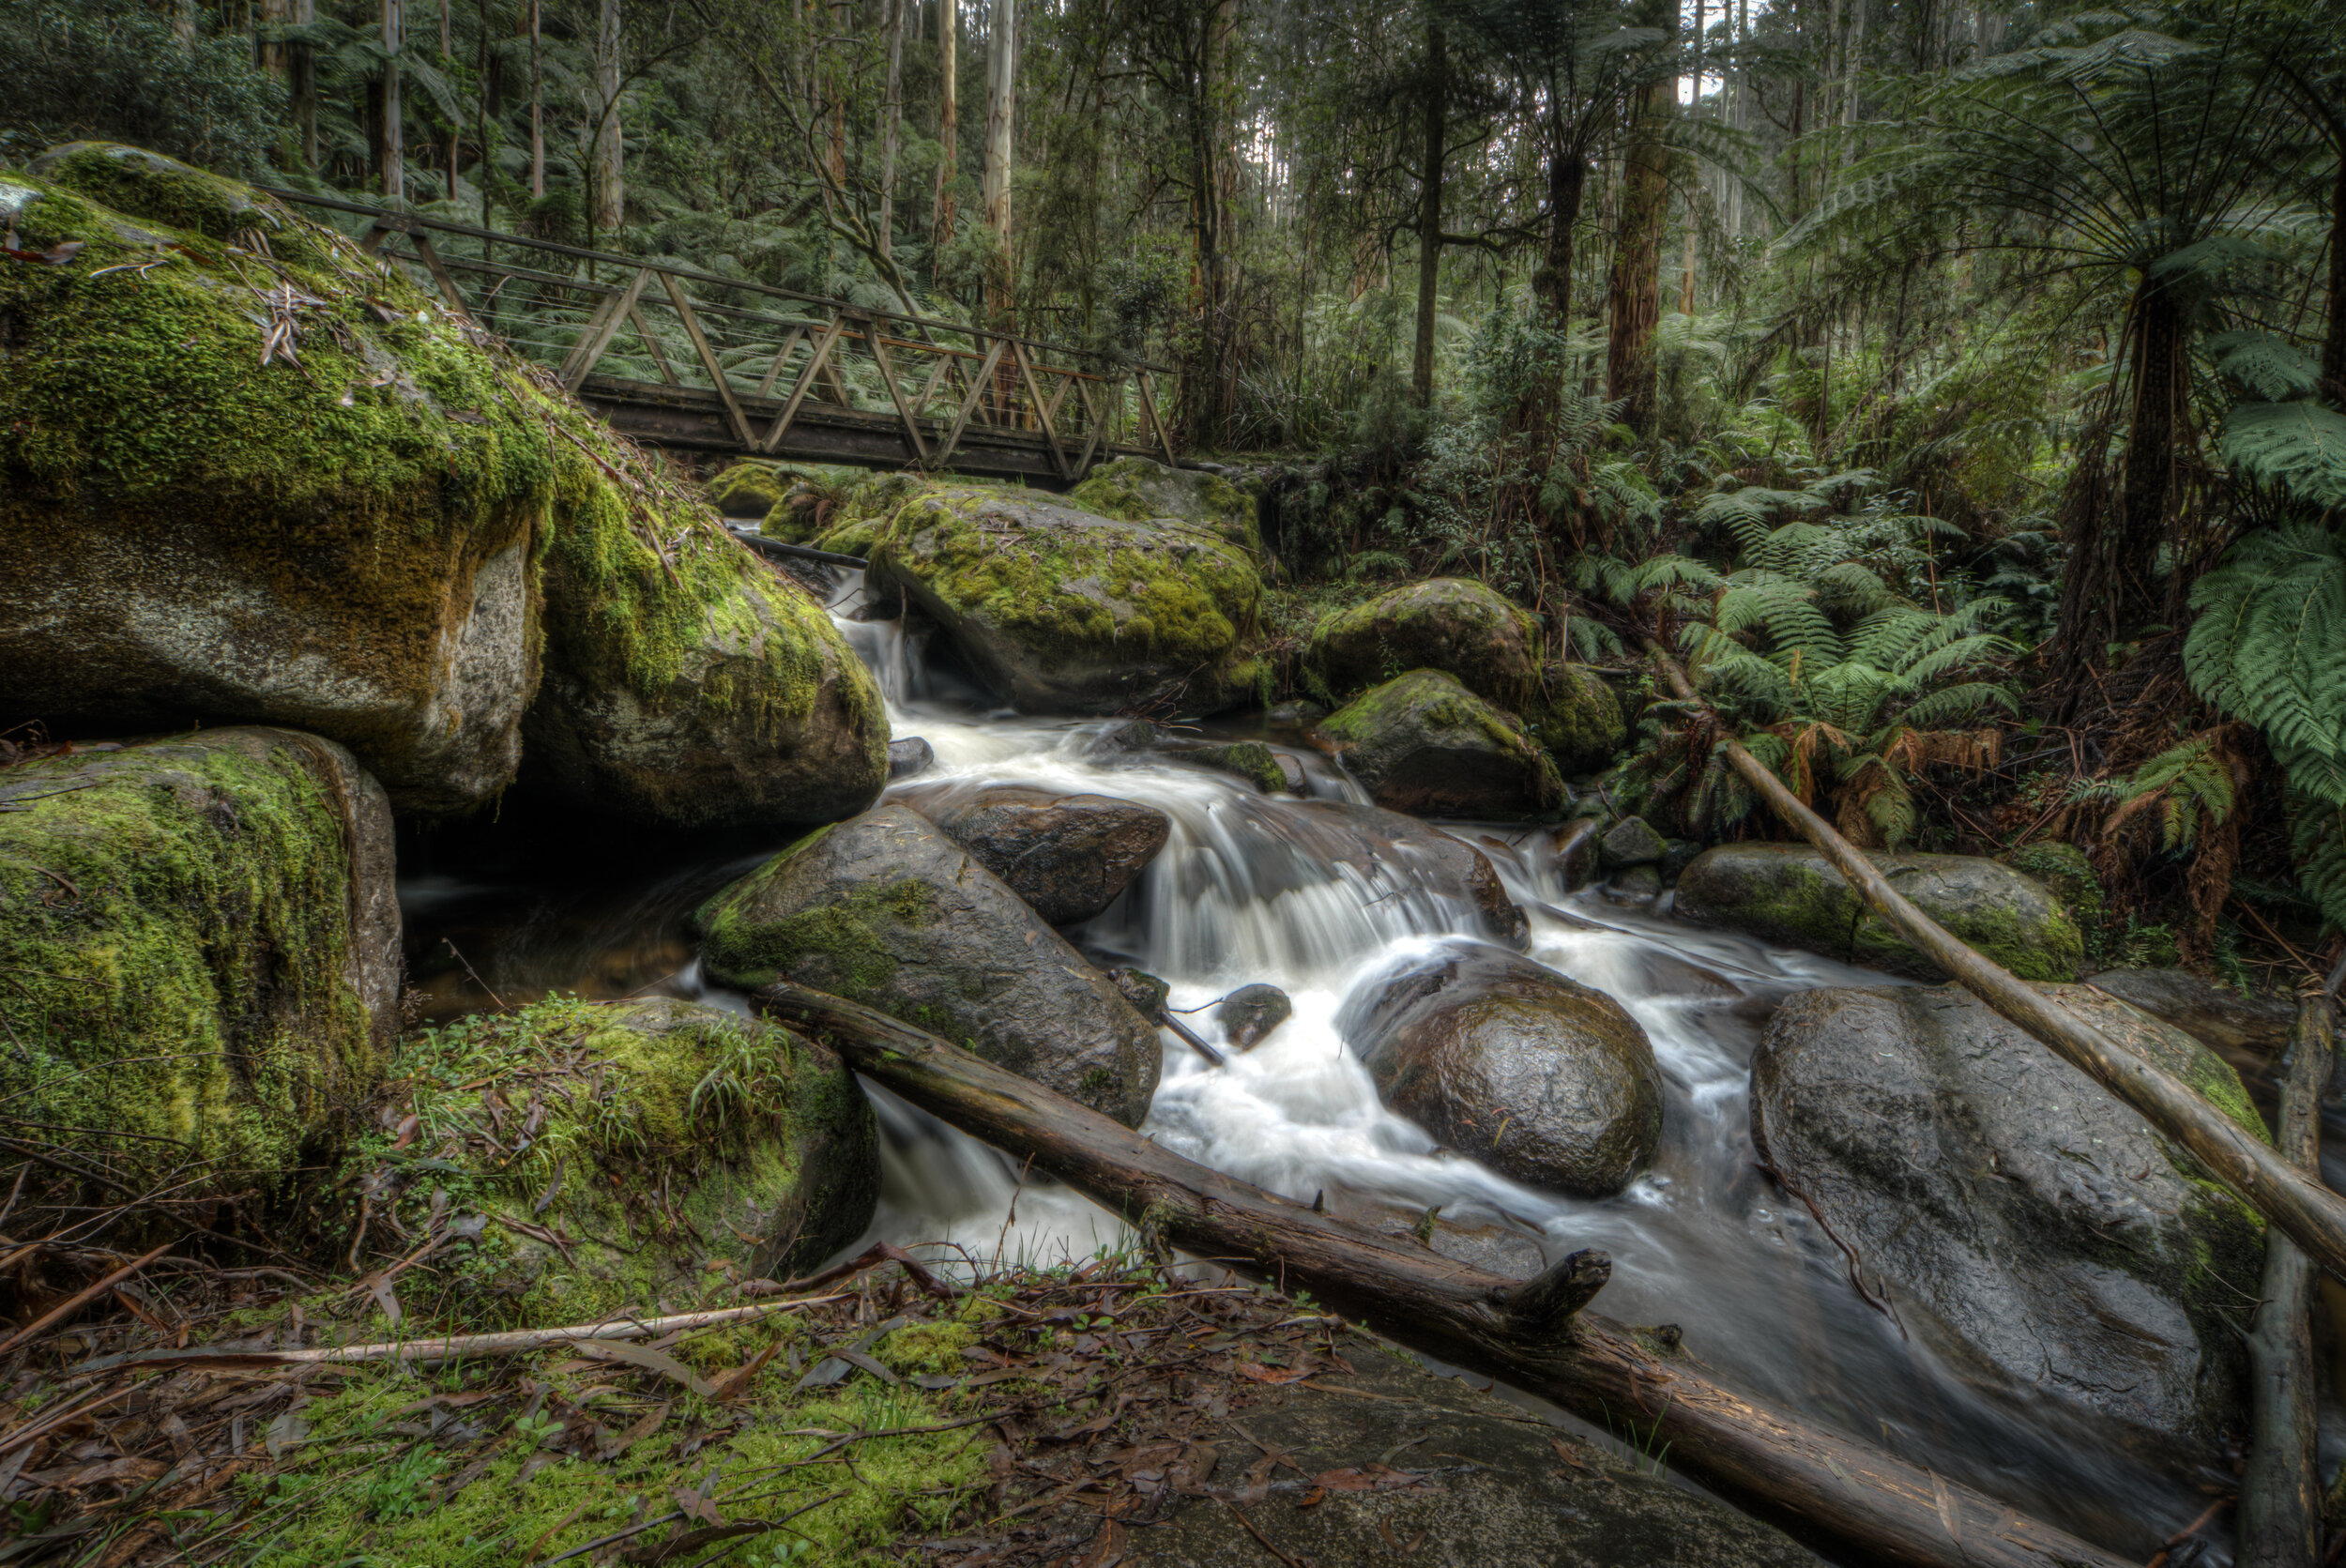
{"points": [[1957, 386]]}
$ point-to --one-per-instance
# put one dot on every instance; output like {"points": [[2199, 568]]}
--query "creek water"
{"points": [[1245, 891]]}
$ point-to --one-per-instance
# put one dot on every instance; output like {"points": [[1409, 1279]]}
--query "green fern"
{"points": [[2299, 446]]}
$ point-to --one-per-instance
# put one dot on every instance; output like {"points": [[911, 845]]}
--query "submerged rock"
{"points": [[2023, 1216], [1137, 490], [909, 758], [1057, 610], [631, 1148], [315, 508], [201, 943], [1426, 745], [888, 911], [1068, 856], [1248, 1015], [1450, 624], [1539, 1076], [1789, 893]]}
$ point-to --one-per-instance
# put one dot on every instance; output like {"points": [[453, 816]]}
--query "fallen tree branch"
{"points": [[2308, 1212], [1861, 1504], [79, 1299], [2280, 1494]]}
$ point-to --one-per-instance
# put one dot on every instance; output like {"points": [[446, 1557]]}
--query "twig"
{"points": [[81, 1298], [476, 975], [1260, 1537]]}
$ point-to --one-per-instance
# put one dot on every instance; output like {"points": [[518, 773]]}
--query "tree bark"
{"points": [[1860, 1503], [537, 101], [302, 86], [1567, 178], [610, 194], [2281, 1493], [1001, 103], [947, 121], [2310, 1214], [891, 121], [1429, 211], [1694, 110], [391, 135], [2334, 344], [1637, 277]]}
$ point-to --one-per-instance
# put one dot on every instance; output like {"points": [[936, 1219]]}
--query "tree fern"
{"points": [[2299, 446]]}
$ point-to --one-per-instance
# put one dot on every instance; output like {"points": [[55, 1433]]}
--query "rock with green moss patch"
{"points": [[1272, 773], [1789, 893], [747, 488], [2027, 1223], [1540, 1077], [1426, 745], [887, 911], [1452, 624], [603, 1158], [1057, 610], [1576, 715], [1068, 856], [1137, 490], [200, 937], [735, 702], [254, 473]]}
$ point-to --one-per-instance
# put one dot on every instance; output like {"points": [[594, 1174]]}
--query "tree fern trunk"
{"points": [[1637, 278], [2334, 345], [1429, 213]]}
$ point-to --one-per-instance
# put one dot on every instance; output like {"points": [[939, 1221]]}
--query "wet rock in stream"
{"points": [[2240, 1027], [1248, 1015], [888, 911], [1425, 744], [1068, 856], [2028, 1225], [1540, 1077], [909, 758]]}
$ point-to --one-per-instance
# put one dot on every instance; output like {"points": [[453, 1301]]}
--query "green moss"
{"points": [[1459, 627], [934, 1348], [747, 488], [747, 951], [358, 1493], [1137, 490], [1578, 720], [1250, 760], [2062, 868], [176, 922]]}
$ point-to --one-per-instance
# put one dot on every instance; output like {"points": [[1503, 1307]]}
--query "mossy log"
{"points": [[2281, 1493], [2308, 1212], [1855, 1502]]}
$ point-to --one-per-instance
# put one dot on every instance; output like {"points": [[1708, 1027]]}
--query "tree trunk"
{"points": [[537, 101], [2309, 1212], [302, 86], [948, 128], [2334, 344], [390, 136], [1637, 278], [1860, 1504], [2280, 1492], [1567, 178], [1429, 211], [842, 18], [183, 23], [610, 194], [1694, 110], [269, 53], [892, 125], [1001, 103]]}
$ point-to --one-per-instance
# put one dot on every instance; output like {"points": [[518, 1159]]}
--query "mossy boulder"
{"points": [[1139, 490], [254, 473], [200, 940], [1789, 893], [1271, 772], [747, 488], [1426, 745], [595, 1161], [1068, 856], [2245, 1026], [1452, 624], [887, 911], [1538, 1076], [718, 695], [1057, 609], [2038, 1231], [1576, 715]]}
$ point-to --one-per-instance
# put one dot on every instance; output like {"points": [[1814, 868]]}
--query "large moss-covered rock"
{"points": [[747, 488], [2023, 1218], [1539, 1076], [1452, 624], [1138, 489], [593, 1160], [200, 944], [887, 911], [1057, 610], [1789, 893], [254, 473], [720, 697], [1426, 745], [1068, 856], [1576, 715]]}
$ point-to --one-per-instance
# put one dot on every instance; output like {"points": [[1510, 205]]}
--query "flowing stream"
{"points": [[1245, 891]]}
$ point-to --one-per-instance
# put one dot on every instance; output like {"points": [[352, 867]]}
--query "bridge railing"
{"points": [[618, 327]]}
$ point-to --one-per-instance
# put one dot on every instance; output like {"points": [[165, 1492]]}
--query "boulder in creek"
{"points": [[1388, 849], [1452, 624], [700, 689], [909, 758], [1057, 610], [887, 910], [649, 1156], [1248, 1015], [2034, 1226], [318, 512], [2240, 1027], [201, 942], [1631, 842], [1068, 856], [1538, 1076], [1426, 745], [1272, 773], [1789, 893], [1139, 490], [1576, 715], [747, 488]]}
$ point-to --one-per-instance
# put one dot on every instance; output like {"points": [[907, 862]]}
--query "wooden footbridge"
{"points": [[688, 360]]}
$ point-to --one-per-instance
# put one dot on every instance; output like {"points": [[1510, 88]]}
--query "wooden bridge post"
{"points": [[734, 416], [601, 329], [895, 394]]}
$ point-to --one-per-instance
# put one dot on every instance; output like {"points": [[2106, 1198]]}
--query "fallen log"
{"points": [[2280, 1494], [1854, 1502], [2308, 1212]]}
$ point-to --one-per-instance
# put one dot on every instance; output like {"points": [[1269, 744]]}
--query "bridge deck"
{"points": [[726, 366]]}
